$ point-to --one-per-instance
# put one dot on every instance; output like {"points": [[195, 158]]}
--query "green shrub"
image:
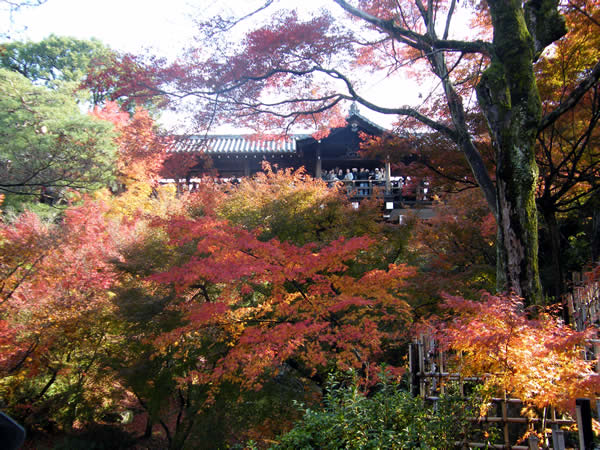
{"points": [[391, 418]]}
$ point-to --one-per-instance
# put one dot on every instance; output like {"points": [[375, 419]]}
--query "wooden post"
{"points": [[388, 176], [558, 438], [422, 380], [441, 370], [584, 423], [319, 168], [461, 381], [571, 308], [413, 360], [319, 171], [504, 406], [534, 442]]}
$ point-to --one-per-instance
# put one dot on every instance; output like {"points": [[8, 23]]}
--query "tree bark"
{"points": [[557, 273], [594, 205], [509, 98], [595, 240]]}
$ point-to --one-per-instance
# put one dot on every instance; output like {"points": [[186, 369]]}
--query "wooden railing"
{"points": [[429, 375], [583, 302], [395, 189]]}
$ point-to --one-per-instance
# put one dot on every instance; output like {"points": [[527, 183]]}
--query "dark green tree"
{"points": [[47, 145], [53, 59]]}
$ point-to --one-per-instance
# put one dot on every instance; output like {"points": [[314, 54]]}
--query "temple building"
{"points": [[242, 155], [235, 156]]}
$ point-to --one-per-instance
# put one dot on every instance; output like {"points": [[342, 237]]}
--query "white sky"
{"points": [[146, 26], [126, 25]]}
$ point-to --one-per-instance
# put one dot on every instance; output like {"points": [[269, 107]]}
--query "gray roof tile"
{"points": [[235, 144]]}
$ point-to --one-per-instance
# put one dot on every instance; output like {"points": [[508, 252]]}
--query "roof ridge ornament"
{"points": [[354, 109]]}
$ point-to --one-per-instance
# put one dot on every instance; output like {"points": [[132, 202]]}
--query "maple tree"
{"points": [[538, 360], [275, 295], [141, 151], [292, 59], [104, 79], [145, 310], [292, 206], [235, 311], [454, 251], [56, 313], [254, 306], [61, 328]]}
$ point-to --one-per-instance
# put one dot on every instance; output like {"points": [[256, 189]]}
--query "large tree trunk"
{"points": [[556, 287], [595, 237], [509, 98], [517, 261], [595, 240]]}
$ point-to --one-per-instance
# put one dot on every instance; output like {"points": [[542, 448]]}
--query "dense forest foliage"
{"points": [[273, 313]]}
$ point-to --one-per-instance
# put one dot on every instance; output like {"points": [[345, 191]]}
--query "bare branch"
{"points": [[572, 99], [449, 19]]}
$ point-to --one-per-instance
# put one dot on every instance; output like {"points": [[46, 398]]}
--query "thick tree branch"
{"points": [[544, 22], [485, 48], [403, 111], [416, 40]]}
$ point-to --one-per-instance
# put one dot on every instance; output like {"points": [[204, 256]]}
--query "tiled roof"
{"points": [[355, 112], [235, 144]]}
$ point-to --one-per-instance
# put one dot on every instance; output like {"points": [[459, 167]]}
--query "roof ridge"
{"points": [[248, 136]]}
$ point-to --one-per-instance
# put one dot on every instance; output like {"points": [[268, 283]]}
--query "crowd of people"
{"points": [[364, 178], [338, 174], [361, 182]]}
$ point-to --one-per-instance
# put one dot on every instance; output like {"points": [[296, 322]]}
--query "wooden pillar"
{"points": [[558, 438], [246, 167], [584, 423], [534, 442], [319, 168], [413, 360], [388, 176], [504, 406], [422, 385]]}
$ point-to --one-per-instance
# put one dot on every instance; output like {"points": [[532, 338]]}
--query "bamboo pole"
{"points": [[584, 423], [504, 407]]}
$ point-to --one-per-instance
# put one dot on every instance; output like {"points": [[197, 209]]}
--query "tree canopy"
{"points": [[47, 144], [200, 315], [288, 69], [53, 59]]}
